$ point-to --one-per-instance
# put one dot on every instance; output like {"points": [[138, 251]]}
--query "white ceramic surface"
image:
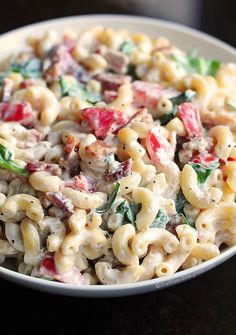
{"points": [[183, 37]]}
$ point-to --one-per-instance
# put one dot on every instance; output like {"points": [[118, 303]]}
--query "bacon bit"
{"points": [[231, 159], [112, 81], [71, 145], [109, 96], [173, 223], [61, 63], [41, 166], [104, 121], [27, 83], [60, 201], [123, 170], [69, 42], [81, 183], [158, 148], [142, 115], [189, 114], [19, 112], [72, 276], [147, 94], [99, 149], [116, 60], [205, 159]]}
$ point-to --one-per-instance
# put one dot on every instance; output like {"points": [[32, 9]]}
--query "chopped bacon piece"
{"points": [[81, 182], [41, 166], [175, 221], [99, 149], [71, 145], [112, 81], [61, 63], [72, 276], [109, 96], [60, 201], [116, 60], [205, 159], [189, 114], [20, 112], [122, 170], [104, 121], [69, 42], [158, 148], [147, 94]]}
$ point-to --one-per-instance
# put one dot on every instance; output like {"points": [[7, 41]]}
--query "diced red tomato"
{"points": [[205, 159], [48, 270], [47, 267], [189, 114], [15, 112], [147, 94], [104, 121], [158, 148]]}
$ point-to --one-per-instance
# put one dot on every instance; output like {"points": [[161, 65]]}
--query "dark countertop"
{"points": [[205, 305]]}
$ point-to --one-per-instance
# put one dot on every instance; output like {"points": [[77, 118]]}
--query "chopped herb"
{"points": [[111, 200], [128, 47], [204, 172], [132, 71], [127, 212], [184, 97], [31, 68], [194, 64], [76, 90], [161, 219], [7, 163], [180, 202], [184, 219], [2, 77]]}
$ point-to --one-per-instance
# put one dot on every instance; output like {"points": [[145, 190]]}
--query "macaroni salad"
{"points": [[117, 157]]}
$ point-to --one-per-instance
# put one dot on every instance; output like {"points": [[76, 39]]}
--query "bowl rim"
{"points": [[156, 282]]}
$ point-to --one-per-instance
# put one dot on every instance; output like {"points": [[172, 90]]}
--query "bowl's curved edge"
{"points": [[100, 291], [139, 287]]}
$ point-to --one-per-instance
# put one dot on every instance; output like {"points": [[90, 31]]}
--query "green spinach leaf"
{"points": [[111, 200], [194, 64], [29, 69], [204, 172], [161, 219], [7, 163], [184, 97]]}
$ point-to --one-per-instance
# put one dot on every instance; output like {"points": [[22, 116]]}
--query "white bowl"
{"points": [[186, 39]]}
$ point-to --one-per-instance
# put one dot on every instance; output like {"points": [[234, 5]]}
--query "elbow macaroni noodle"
{"points": [[105, 176]]}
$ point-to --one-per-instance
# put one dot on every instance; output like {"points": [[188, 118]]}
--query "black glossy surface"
{"points": [[205, 305]]}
